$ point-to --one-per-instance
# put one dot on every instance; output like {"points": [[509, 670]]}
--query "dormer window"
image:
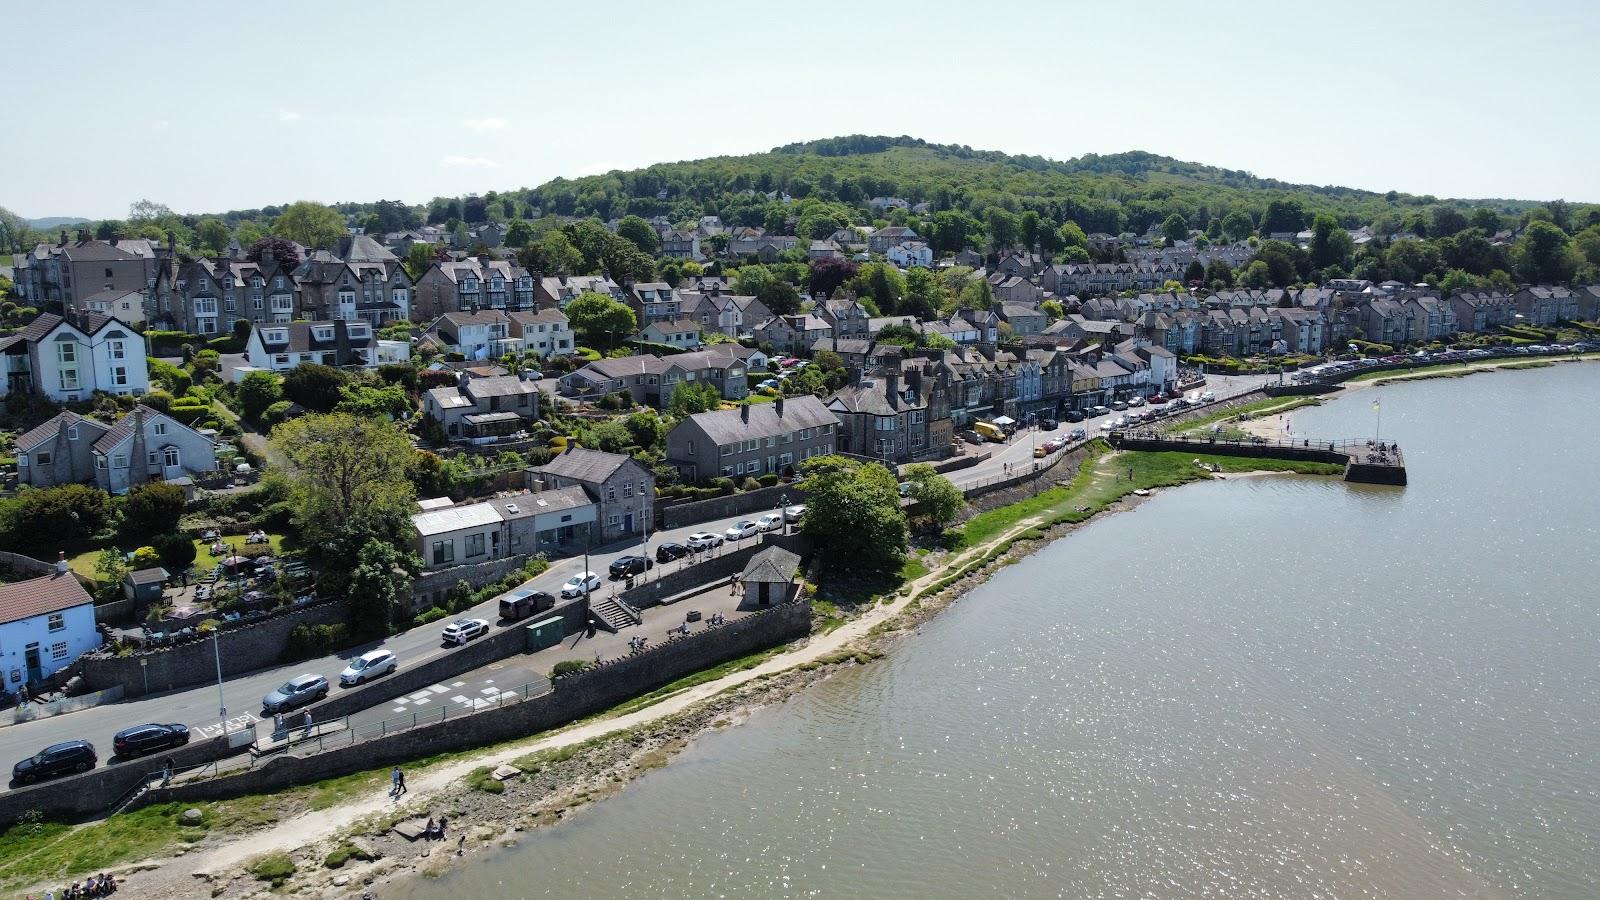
{"points": [[322, 334]]}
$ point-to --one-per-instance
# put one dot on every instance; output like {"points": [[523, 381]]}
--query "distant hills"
{"points": [[49, 222]]}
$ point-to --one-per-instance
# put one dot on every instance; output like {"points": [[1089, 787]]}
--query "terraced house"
{"points": [[751, 441], [70, 270], [651, 379], [470, 285], [362, 280], [899, 415], [67, 360], [207, 296], [144, 445]]}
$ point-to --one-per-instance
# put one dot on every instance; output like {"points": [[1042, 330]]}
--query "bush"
{"points": [[482, 779], [306, 641], [274, 867], [347, 851], [177, 551], [749, 484], [723, 486], [275, 413], [188, 411], [257, 392], [151, 509], [432, 614], [568, 667], [769, 479], [44, 521]]}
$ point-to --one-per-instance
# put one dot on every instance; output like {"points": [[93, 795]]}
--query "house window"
{"points": [[444, 552], [120, 461], [627, 490], [58, 650], [726, 471], [72, 433], [643, 488], [611, 492], [170, 457], [57, 621], [152, 458], [613, 520], [119, 376], [161, 428], [474, 545], [116, 349]]}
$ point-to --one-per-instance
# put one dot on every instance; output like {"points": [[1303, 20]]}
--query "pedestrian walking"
{"points": [[278, 728], [166, 772], [307, 731], [461, 845], [397, 782]]}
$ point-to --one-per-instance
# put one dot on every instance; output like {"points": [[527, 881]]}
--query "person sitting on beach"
{"points": [[442, 823], [431, 831]]}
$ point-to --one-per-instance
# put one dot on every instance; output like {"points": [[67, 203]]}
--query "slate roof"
{"points": [[48, 430], [302, 338], [725, 426], [499, 386], [523, 505], [774, 565], [583, 464], [38, 596]]}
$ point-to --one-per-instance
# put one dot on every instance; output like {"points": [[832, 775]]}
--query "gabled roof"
{"points": [[725, 426], [583, 464], [774, 565], [124, 427], [48, 430], [39, 596]]}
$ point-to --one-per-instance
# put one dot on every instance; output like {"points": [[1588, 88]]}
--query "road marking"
{"points": [[438, 689], [490, 690], [423, 701], [236, 723], [456, 684], [460, 699], [399, 709], [419, 696]]}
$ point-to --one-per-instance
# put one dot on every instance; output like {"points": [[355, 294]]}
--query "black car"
{"points": [[624, 566], [1048, 424], [142, 739], [521, 604], [55, 760], [670, 551], [1074, 415]]}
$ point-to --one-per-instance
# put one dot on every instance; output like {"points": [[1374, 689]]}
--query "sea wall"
{"points": [[572, 697], [96, 790]]}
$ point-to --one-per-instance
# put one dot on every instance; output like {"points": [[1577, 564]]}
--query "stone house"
{"points": [[881, 240], [559, 290], [683, 333], [622, 488], [342, 344], [793, 334], [360, 280], [752, 440], [899, 415], [845, 316], [483, 410], [1546, 305], [655, 301], [480, 335], [72, 270], [470, 285], [1023, 318], [142, 446]]}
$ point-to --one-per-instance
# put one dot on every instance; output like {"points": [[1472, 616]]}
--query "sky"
{"points": [[207, 106]]}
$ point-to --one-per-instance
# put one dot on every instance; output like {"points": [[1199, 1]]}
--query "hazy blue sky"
{"points": [[208, 106]]}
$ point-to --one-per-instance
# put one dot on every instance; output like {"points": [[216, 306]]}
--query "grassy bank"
{"points": [[1267, 406]]}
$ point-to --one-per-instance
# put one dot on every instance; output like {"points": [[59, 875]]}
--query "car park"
{"points": [[670, 551], [792, 514], [626, 566], [770, 522], [55, 760], [704, 540], [369, 665], [463, 630], [297, 691], [524, 602], [577, 585], [741, 529], [142, 739]]}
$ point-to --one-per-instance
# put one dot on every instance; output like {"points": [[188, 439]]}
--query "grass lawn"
{"points": [[1267, 406], [204, 559]]}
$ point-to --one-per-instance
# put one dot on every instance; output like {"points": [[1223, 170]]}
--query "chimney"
{"points": [[63, 238], [116, 236], [778, 405], [61, 563], [892, 380], [744, 413]]}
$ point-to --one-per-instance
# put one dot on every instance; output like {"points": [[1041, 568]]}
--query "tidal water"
{"points": [[1259, 687]]}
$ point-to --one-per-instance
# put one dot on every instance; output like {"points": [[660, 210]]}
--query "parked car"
{"points": [[1048, 424], [142, 739], [1079, 434], [970, 436], [793, 513], [1119, 405], [1136, 401], [578, 584], [1099, 410], [741, 530], [297, 691], [462, 630], [371, 664], [769, 383], [625, 566], [704, 540], [522, 603], [55, 760], [770, 522], [1157, 398], [1075, 415], [1041, 451], [670, 551]]}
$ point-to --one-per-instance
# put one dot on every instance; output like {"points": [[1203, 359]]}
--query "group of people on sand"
{"points": [[100, 885], [435, 831]]}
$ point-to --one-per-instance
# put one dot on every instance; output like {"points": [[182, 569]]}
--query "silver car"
{"points": [[297, 691]]}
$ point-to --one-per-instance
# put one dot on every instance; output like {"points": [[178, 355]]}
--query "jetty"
{"points": [[1364, 461]]}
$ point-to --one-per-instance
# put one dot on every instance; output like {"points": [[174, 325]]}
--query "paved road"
{"points": [[199, 707], [1018, 452]]}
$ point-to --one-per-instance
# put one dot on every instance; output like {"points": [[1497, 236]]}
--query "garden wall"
{"points": [[763, 500], [96, 790]]}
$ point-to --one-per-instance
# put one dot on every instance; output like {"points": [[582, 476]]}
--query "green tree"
{"points": [[248, 233], [1071, 235], [257, 391], [316, 387], [177, 551], [853, 514], [639, 233], [1219, 272], [110, 571], [1282, 215], [212, 234], [380, 587], [882, 282], [624, 262], [419, 259], [977, 295], [1486, 219], [1002, 226], [938, 501], [520, 233], [310, 224], [44, 521], [1330, 244], [1544, 254], [1175, 228], [1237, 225], [1256, 275], [1587, 243], [599, 320], [691, 397], [751, 280], [1029, 230], [152, 509], [924, 295]]}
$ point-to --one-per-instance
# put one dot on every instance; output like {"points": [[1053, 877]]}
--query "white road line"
{"points": [[438, 688], [423, 701], [460, 699]]}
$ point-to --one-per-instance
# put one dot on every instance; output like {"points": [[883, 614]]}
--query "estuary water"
{"points": [[1261, 687]]}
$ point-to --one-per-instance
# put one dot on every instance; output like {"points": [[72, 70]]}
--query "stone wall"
{"points": [[994, 496], [495, 646], [1310, 453], [477, 575], [247, 648], [765, 500], [572, 697], [97, 789]]}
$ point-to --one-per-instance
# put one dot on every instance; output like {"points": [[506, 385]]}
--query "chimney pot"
{"points": [[744, 413], [778, 406]]}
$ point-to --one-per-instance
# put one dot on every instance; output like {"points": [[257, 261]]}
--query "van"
{"points": [[990, 431], [524, 603]]}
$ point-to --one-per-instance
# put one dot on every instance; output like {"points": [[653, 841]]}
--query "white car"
{"points": [[770, 522], [371, 664], [462, 630], [741, 530], [704, 540], [578, 584], [793, 513]]}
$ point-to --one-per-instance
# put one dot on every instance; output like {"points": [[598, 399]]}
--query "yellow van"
{"points": [[990, 431]]}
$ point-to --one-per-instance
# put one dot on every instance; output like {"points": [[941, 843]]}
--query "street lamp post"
{"points": [[783, 511], [222, 702]]}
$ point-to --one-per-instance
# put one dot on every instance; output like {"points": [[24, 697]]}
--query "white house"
{"points": [[545, 332], [45, 624], [342, 344], [908, 254], [68, 360], [684, 333]]}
